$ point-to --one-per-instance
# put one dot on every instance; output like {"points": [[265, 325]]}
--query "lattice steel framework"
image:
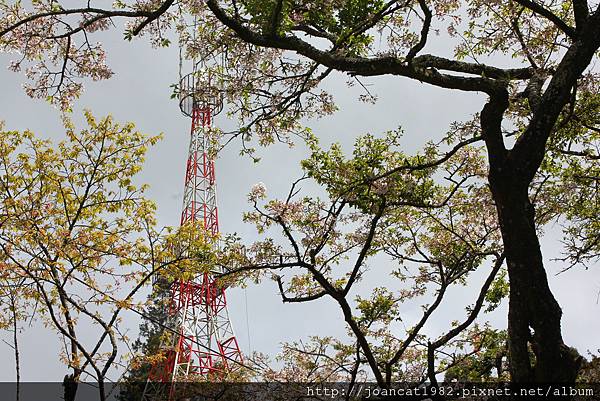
{"points": [[205, 345]]}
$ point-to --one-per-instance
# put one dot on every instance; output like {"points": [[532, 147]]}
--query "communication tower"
{"points": [[204, 345]]}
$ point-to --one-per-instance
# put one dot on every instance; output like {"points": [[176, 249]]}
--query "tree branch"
{"points": [[476, 309], [424, 32], [491, 126], [75, 11], [581, 12], [549, 15], [276, 17], [307, 298], [154, 15], [356, 65], [530, 148], [365, 248]]}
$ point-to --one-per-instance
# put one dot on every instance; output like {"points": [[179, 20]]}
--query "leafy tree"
{"points": [[432, 235], [538, 127], [78, 240], [148, 342]]}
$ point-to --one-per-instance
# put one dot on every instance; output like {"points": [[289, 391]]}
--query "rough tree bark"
{"points": [[531, 302]]}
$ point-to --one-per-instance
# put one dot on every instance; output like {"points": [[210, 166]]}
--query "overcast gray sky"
{"points": [[139, 92]]}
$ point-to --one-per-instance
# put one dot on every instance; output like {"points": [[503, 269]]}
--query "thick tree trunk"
{"points": [[534, 317]]}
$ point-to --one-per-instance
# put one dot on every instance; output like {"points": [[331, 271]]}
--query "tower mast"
{"points": [[204, 345]]}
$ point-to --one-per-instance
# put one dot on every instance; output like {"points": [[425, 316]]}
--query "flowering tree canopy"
{"points": [[78, 239], [527, 157]]}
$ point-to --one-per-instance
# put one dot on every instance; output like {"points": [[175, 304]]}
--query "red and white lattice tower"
{"points": [[204, 345]]}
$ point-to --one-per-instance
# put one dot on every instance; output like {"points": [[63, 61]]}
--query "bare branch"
{"points": [[424, 32], [154, 15], [306, 298]]}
